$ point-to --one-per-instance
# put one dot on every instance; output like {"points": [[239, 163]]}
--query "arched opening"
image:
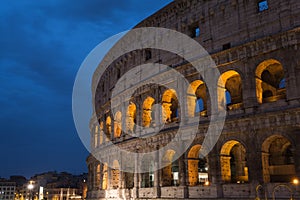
{"points": [[170, 173], [270, 81], [197, 99], [101, 126], [278, 159], [128, 175], [108, 128], [90, 177], [199, 105], [98, 173], [104, 179], [230, 90], [148, 172], [197, 167], [147, 110], [234, 163], [131, 117], [115, 175], [118, 125], [228, 97], [170, 106]]}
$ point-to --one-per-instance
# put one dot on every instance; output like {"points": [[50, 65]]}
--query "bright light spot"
{"points": [[30, 186], [295, 181], [176, 176], [206, 183]]}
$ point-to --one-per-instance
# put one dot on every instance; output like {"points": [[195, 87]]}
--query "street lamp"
{"points": [[295, 181], [30, 188]]}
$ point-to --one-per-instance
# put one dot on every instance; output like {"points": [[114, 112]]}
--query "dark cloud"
{"points": [[42, 46]]}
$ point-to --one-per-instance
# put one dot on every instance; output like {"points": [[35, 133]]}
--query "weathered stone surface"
{"points": [[257, 54]]}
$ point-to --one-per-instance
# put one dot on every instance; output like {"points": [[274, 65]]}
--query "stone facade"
{"points": [[255, 45]]}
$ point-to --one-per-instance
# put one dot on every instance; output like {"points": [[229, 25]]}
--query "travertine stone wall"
{"points": [[253, 51]]}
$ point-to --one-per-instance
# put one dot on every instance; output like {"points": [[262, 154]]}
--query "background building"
{"points": [[7, 190], [51, 186], [255, 45]]}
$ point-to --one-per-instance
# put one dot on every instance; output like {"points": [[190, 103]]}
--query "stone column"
{"points": [[112, 127], [256, 168], [225, 168], [94, 176], [139, 119], [105, 131], [99, 135], [297, 156], [292, 91], [136, 178], [108, 177], [265, 167], [92, 130], [121, 174], [183, 111], [183, 175], [249, 87], [120, 187], [101, 176], [89, 183], [214, 172], [157, 174], [123, 122], [190, 102]]}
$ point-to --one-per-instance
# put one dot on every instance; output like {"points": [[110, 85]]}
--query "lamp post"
{"points": [[30, 188], [295, 182]]}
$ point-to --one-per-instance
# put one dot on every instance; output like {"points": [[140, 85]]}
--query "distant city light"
{"points": [[295, 181], [30, 186]]}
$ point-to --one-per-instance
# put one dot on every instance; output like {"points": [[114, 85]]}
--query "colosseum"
{"points": [[254, 45]]}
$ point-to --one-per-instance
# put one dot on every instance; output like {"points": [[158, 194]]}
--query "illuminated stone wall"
{"points": [[257, 54]]}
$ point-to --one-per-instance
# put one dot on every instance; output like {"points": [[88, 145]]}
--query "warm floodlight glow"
{"points": [[295, 181]]}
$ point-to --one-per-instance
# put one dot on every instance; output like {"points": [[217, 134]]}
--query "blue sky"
{"points": [[43, 44]]}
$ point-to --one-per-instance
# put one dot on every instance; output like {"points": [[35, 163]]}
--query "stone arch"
{"points": [[127, 173], [131, 117], [98, 174], [230, 90], [278, 159], [101, 126], [118, 125], [197, 167], [197, 98], [148, 169], [170, 173], [147, 111], [233, 162], [108, 127], [170, 106], [115, 174], [270, 81], [105, 176]]}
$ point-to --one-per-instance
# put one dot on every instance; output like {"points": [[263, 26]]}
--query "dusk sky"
{"points": [[43, 44]]}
